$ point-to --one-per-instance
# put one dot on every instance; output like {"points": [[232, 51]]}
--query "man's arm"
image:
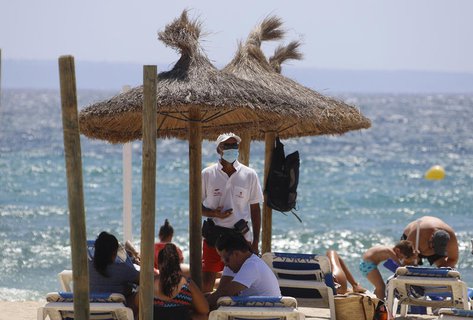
{"points": [[227, 287], [256, 225]]}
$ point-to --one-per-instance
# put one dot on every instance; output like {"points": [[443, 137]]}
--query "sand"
{"points": [[15, 310]]}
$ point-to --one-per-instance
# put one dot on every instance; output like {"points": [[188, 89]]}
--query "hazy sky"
{"points": [[353, 34]]}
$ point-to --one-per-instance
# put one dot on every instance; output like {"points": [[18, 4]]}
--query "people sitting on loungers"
{"points": [[401, 253], [342, 275], [244, 274], [175, 296], [107, 276]]}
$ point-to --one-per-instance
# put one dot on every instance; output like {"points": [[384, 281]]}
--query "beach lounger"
{"points": [[307, 277], [103, 306], [256, 307], [455, 314], [428, 287], [65, 280]]}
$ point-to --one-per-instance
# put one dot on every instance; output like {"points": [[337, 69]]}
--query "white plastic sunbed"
{"points": [[428, 287], [103, 306], [256, 307], [307, 277]]}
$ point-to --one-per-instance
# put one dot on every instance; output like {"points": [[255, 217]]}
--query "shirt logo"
{"points": [[217, 193]]}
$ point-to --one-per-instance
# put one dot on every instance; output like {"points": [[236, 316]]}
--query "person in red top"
{"points": [[166, 232]]}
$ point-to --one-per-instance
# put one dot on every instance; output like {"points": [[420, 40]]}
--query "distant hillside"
{"points": [[112, 76]]}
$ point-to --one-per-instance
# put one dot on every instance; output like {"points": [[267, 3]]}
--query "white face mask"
{"points": [[230, 155]]}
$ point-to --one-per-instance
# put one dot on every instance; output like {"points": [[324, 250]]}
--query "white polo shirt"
{"points": [[236, 192]]}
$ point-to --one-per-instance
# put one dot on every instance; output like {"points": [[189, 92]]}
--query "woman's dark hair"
{"points": [[169, 269], [106, 247], [166, 230]]}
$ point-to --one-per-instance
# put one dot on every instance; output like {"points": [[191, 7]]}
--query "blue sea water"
{"points": [[356, 190]]}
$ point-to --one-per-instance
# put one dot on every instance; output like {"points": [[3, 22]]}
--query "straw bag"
{"points": [[355, 306]]}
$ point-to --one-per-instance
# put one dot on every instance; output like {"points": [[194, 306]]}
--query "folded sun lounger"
{"points": [[256, 307], [103, 306], [307, 277], [429, 287]]}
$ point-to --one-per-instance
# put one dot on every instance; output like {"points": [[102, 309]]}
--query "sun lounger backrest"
{"points": [[258, 301], [300, 266]]}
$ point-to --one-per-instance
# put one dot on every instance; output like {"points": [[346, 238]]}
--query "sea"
{"points": [[355, 190]]}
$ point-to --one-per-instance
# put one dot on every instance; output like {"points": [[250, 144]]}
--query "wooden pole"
{"points": [[269, 140], [148, 192], [127, 152], [75, 195], [195, 194], [244, 154]]}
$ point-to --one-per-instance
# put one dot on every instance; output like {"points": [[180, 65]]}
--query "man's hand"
{"points": [[218, 213]]}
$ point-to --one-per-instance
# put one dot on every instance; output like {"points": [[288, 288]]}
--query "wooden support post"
{"points": [[269, 140], [195, 194], [75, 193], [244, 154], [148, 193], [127, 153]]}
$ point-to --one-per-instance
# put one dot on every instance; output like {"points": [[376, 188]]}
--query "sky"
{"points": [[420, 35]]}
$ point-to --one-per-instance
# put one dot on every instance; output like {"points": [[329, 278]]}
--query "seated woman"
{"points": [[107, 276], [341, 274], [176, 297]]}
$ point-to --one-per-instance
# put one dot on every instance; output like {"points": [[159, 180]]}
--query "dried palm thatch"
{"points": [[227, 103], [322, 115]]}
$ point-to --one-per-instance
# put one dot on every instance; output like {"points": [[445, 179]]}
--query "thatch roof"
{"points": [[227, 102], [322, 114]]}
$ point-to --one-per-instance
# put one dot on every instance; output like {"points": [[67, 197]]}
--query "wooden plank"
{"points": [[269, 140], [148, 193], [244, 150], [195, 194], [75, 194]]}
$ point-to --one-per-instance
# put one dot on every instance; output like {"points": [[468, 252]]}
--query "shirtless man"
{"points": [[437, 241]]}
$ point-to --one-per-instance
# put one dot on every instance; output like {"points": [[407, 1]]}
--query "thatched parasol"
{"points": [[226, 102], [322, 114]]}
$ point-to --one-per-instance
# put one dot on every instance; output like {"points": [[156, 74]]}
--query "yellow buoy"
{"points": [[435, 173]]}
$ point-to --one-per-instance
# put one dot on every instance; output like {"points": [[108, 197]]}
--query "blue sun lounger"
{"points": [[307, 277], [257, 307], [414, 286], [103, 306]]}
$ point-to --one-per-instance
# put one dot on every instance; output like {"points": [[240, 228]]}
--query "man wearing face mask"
{"points": [[231, 196]]}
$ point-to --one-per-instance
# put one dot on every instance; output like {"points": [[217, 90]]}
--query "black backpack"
{"points": [[283, 178]]}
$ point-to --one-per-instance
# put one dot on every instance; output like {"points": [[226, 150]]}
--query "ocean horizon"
{"points": [[355, 190]]}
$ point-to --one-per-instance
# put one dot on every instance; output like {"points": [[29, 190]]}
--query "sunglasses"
{"points": [[228, 146]]}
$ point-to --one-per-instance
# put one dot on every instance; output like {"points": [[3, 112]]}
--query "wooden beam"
{"points": [[244, 152], [148, 193], [195, 194], [269, 140], [75, 193]]}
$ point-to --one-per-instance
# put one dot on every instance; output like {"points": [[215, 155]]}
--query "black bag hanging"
{"points": [[283, 178]]}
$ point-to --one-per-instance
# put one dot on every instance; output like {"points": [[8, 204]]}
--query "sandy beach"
{"points": [[19, 310]]}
